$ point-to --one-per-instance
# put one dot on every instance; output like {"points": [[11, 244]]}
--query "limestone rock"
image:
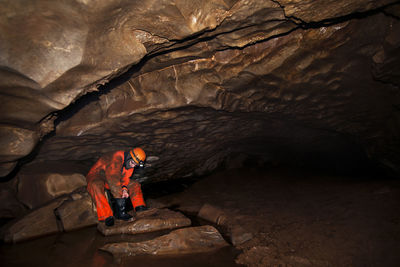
{"points": [[6, 168], [16, 142], [260, 99], [213, 214], [182, 241], [37, 223], [10, 207], [147, 221], [312, 11], [42, 182], [77, 212], [237, 233]]}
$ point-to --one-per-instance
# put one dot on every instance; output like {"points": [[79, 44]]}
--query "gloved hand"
{"points": [[125, 193]]}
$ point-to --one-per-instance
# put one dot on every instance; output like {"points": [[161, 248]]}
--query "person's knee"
{"points": [[95, 187]]}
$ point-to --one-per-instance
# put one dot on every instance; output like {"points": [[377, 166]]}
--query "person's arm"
{"points": [[126, 175], [125, 181], [114, 175]]}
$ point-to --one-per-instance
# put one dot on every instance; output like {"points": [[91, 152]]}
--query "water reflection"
{"points": [[80, 248]]}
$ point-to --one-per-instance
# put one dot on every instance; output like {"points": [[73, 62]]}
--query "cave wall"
{"points": [[199, 82]]}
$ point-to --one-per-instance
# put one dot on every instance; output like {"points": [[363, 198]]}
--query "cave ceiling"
{"points": [[196, 83]]}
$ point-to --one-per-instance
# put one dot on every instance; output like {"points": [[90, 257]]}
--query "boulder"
{"points": [[42, 182], [37, 223], [147, 221], [236, 232], [213, 214], [238, 235], [182, 241], [14, 144], [77, 212]]}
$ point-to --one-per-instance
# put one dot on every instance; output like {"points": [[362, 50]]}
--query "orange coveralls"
{"points": [[109, 173]]}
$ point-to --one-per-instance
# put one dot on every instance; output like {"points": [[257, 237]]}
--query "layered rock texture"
{"points": [[147, 221], [182, 241], [200, 83], [43, 182]]}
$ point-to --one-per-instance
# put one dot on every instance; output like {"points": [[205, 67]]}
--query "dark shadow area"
{"points": [[160, 189]]}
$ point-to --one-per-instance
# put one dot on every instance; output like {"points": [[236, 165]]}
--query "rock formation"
{"points": [[76, 212], [197, 83], [147, 221], [43, 182], [37, 223], [182, 241], [236, 232]]}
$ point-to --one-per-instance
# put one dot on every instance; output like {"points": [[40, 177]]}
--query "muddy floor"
{"points": [[306, 219], [297, 218]]}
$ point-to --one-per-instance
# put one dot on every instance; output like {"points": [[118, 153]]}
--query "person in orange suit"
{"points": [[113, 171]]}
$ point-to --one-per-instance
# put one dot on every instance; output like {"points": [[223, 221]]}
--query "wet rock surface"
{"points": [[66, 213], [147, 221], [237, 233], [43, 182], [77, 212], [182, 241], [36, 224]]}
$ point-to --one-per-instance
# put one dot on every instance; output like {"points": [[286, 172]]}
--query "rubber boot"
{"points": [[120, 212], [109, 221], [141, 208]]}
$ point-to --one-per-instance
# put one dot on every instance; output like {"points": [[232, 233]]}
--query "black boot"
{"points": [[141, 208], [120, 212], [109, 221]]}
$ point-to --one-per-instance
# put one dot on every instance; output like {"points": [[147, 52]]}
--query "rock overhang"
{"points": [[225, 78]]}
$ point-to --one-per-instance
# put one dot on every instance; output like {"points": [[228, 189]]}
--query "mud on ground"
{"points": [[304, 219]]}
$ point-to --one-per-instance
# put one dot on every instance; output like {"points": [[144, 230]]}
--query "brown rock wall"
{"points": [[35, 224], [317, 78], [288, 59], [43, 182]]}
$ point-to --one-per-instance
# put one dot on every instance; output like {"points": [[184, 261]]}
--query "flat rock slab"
{"points": [[147, 221], [182, 241], [37, 223]]}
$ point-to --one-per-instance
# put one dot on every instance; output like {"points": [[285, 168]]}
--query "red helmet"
{"points": [[138, 156]]}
